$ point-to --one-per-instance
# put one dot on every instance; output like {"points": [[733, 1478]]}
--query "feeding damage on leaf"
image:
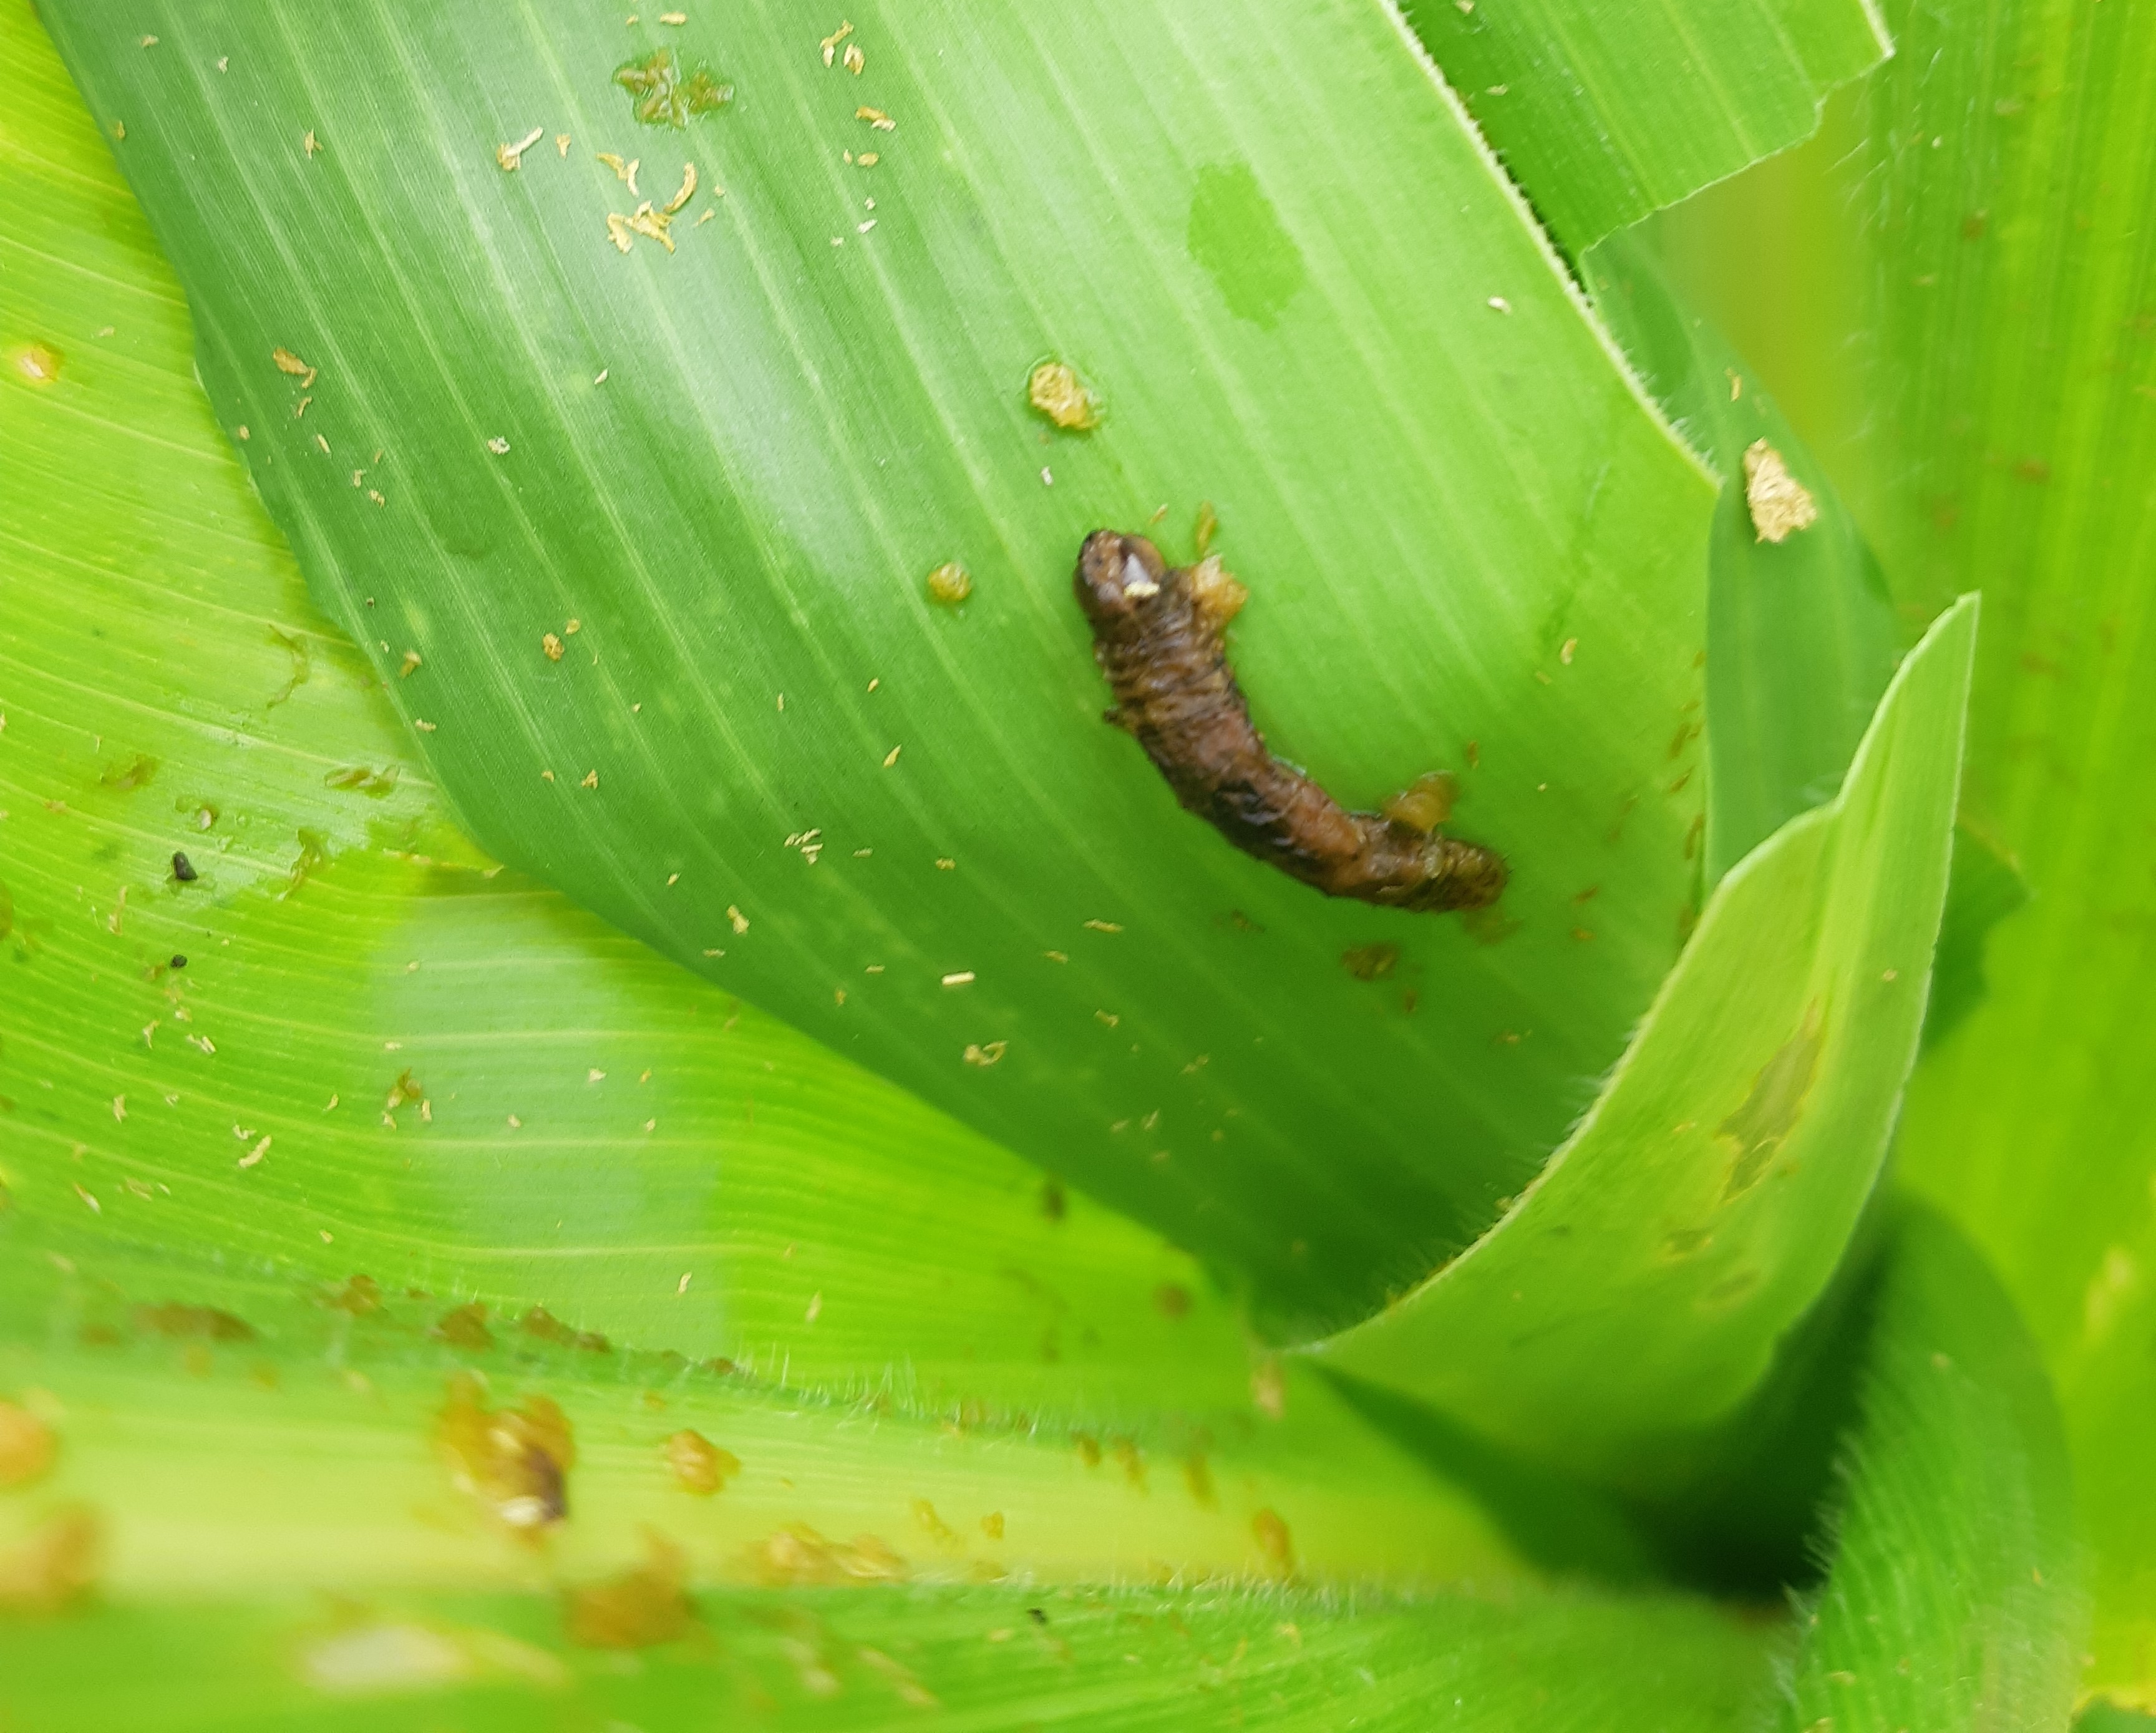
{"points": [[1157, 634]]}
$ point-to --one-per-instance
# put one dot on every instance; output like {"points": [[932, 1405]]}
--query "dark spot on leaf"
{"points": [[643, 1605], [183, 870], [699, 1465], [1734, 1287], [374, 784], [1767, 1115], [514, 1461], [1052, 1202], [200, 1322], [543, 1323], [131, 775], [1370, 962], [313, 853], [1489, 925], [178, 961], [360, 1295], [296, 648], [1172, 1299], [52, 1565], [465, 1327], [1236, 236], [1037, 1615]]}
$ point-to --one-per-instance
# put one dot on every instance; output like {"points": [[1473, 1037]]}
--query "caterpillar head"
{"points": [[1116, 576]]}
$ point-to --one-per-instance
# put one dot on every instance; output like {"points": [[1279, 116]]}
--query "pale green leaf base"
{"points": [[1954, 1599], [1639, 1286]]}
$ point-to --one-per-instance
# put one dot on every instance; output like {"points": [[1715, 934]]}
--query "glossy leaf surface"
{"points": [[808, 403]]}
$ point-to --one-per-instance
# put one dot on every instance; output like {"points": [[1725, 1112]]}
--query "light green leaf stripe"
{"points": [[1639, 1286], [1953, 1600], [1609, 109], [1305, 293]]}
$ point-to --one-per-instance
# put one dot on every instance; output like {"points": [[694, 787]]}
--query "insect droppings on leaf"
{"points": [[27, 1446], [876, 118], [663, 96], [52, 1565], [950, 584], [1424, 803], [654, 225], [551, 645], [1370, 962], [1780, 503], [1208, 526], [796, 1556], [183, 870], [1055, 391], [699, 1465], [39, 363], [830, 43], [985, 1053], [288, 362], [465, 1327], [641, 1607], [1272, 1538], [514, 1462], [1158, 638]]}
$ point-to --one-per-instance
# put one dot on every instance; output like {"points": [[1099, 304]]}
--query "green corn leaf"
{"points": [[808, 403], [1146, 1659], [1952, 1598], [349, 1049], [1705, 1199], [1993, 423], [1607, 110], [308, 1521], [1801, 635]]}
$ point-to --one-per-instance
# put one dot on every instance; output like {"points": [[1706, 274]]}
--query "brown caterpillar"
{"points": [[1157, 635]]}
